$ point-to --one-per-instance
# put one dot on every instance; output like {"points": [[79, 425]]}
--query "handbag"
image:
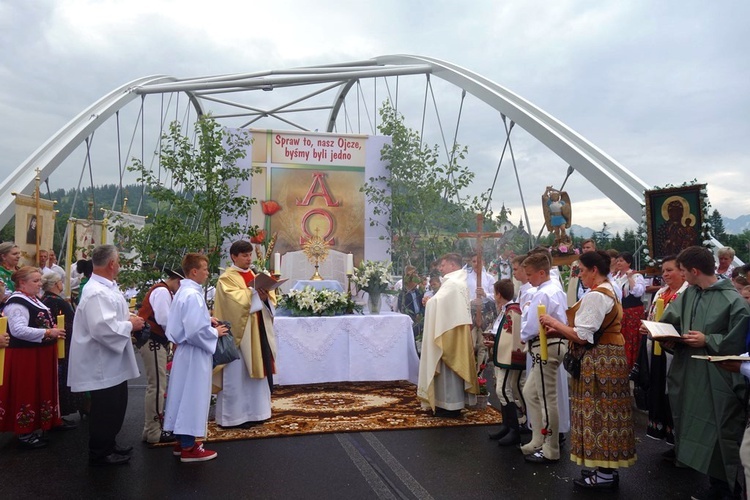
{"points": [[226, 350], [574, 355]]}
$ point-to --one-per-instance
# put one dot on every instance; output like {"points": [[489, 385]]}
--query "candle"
{"points": [[657, 316], [132, 304], [60, 342], [542, 309], [3, 329], [349, 264], [277, 263]]}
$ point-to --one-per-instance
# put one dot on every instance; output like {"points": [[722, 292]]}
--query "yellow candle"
{"points": [[60, 342], [3, 329], [132, 304], [659, 310], [542, 309]]}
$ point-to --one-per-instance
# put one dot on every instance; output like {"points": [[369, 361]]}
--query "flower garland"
{"points": [[706, 234], [312, 302]]}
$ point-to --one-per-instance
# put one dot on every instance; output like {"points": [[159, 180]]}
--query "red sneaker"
{"points": [[177, 449], [197, 454]]}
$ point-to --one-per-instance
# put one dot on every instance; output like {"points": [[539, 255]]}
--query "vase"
{"points": [[373, 302], [482, 400]]}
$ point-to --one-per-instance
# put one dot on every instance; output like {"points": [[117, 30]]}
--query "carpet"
{"points": [[349, 407]]}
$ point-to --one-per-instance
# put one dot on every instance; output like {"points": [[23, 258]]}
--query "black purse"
{"points": [[575, 352], [226, 350]]}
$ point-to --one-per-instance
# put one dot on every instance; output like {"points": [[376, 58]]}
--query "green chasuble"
{"points": [[708, 401]]}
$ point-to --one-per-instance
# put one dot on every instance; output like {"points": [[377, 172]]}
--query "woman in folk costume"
{"points": [[509, 359], [28, 396], [601, 432], [633, 286], [660, 422]]}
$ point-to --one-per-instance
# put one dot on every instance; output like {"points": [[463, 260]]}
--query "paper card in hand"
{"points": [[263, 281], [661, 331], [717, 359]]}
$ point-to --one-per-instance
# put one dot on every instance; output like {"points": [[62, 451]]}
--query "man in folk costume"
{"points": [[155, 311], [509, 359], [196, 334], [245, 384], [707, 402], [447, 368], [541, 389]]}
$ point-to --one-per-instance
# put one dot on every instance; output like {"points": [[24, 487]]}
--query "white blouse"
{"points": [[18, 320], [590, 315]]}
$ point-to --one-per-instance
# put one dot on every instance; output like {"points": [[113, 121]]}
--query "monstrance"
{"points": [[316, 250]]}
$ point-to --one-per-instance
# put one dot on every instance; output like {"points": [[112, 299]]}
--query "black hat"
{"points": [[175, 273]]}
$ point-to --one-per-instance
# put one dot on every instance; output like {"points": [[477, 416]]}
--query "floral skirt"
{"points": [[28, 396], [601, 415], [631, 323]]}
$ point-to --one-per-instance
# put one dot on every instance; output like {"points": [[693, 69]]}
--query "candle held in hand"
{"points": [[541, 310], [3, 329], [657, 316], [60, 342]]}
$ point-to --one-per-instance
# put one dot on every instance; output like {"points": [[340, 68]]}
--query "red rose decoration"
{"points": [[269, 207], [259, 237]]}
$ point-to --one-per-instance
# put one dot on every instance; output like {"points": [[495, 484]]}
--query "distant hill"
{"points": [[738, 225], [582, 232]]}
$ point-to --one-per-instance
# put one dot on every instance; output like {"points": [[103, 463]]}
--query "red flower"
{"points": [[269, 207], [259, 237]]}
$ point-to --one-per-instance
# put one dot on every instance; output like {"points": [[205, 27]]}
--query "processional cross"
{"points": [[480, 236]]}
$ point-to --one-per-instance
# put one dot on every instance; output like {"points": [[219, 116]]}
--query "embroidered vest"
{"points": [[613, 319], [147, 311], [38, 318]]}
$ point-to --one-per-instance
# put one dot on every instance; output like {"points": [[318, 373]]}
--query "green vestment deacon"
{"points": [[708, 401]]}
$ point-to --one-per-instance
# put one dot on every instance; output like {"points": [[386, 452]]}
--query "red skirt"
{"points": [[28, 396], [631, 324]]}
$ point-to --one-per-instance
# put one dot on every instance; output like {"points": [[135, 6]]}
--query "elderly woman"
{"points": [[28, 398], [633, 286], [10, 254], [70, 402], [725, 266], [660, 423], [601, 433]]}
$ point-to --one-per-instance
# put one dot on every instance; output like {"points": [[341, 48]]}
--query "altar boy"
{"points": [[190, 327], [540, 391]]}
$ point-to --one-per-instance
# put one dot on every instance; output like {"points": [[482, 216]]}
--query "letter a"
{"points": [[318, 180]]}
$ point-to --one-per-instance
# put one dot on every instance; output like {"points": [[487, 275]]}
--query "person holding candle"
{"points": [[29, 394], [102, 358], [541, 389], [660, 423], [602, 434], [70, 402]]}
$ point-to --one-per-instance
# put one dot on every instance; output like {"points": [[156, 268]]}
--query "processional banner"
{"points": [[120, 226], [35, 226]]}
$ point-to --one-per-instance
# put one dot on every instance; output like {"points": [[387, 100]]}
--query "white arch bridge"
{"points": [[342, 97]]}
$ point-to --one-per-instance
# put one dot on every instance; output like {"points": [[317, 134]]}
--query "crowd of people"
{"points": [[565, 363], [595, 332]]}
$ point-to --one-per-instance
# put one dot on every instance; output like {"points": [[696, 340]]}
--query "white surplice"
{"points": [[189, 391]]}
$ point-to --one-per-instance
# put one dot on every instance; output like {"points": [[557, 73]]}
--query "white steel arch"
{"points": [[225, 91]]}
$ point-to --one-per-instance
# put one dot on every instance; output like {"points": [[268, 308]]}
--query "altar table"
{"points": [[352, 348], [319, 285]]}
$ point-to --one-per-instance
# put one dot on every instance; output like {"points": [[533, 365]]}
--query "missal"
{"points": [[262, 281], [717, 359], [661, 331]]}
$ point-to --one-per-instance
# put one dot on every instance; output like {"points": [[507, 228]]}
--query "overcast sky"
{"points": [[662, 86]]}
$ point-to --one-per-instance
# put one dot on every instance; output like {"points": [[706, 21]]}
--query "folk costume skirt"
{"points": [[601, 430], [28, 396], [631, 324]]}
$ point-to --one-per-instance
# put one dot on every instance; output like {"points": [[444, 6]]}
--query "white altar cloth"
{"points": [[319, 285], [354, 348]]}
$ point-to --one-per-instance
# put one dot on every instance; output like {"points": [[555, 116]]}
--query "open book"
{"points": [[716, 359], [661, 331], [262, 281]]}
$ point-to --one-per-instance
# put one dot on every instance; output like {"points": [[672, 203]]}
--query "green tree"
{"points": [[421, 194], [194, 215], [717, 225]]}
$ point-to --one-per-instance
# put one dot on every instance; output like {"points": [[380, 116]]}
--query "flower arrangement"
{"points": [[312, 302], [482, 385], [373, 277]]}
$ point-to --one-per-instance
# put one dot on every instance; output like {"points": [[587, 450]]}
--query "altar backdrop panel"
{"points": [[316, 178]]}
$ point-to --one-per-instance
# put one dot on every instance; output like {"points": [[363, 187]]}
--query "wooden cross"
{"points": [[480, 236]]}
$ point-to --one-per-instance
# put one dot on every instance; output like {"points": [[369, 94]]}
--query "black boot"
{"points": [[502, 431], [510, 417]]}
